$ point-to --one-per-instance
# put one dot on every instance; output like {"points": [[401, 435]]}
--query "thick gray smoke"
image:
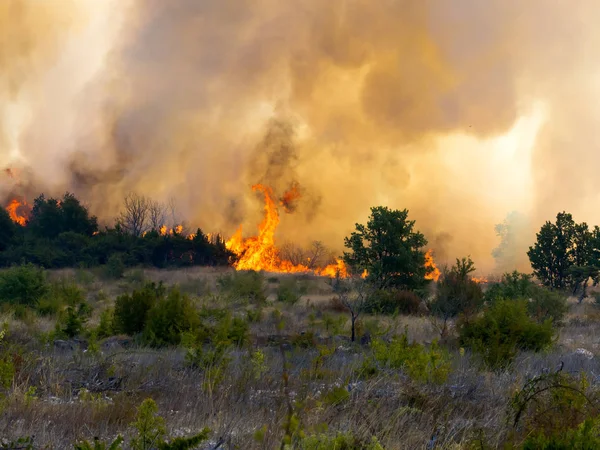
{"points": [[460, 111]]}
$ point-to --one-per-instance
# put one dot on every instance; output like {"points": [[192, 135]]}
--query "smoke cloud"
{"points": [[461, 111]]}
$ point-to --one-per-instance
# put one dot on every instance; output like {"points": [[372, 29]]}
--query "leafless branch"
{"points": [[134, 217]]}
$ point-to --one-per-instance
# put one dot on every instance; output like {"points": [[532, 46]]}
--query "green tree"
{"points": [[457, 293], [562, 256], [389, 249], [149, 425], [8, 229], [51, 217]]}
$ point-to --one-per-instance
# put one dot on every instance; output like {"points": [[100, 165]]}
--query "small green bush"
{"points": [[290, 291], [22, 285], [243, 286], [105, 326], [545, 304], [514, 285], [73, 321], [115, 267], [58, 295], [585, 437], [392, 301], [169, 318], [116, 444], [503, 330], [340, 441], [427, 365], [541, 302], [557, 411], [457, 293], [131, 310]]}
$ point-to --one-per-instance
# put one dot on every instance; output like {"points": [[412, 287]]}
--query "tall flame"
{"points": [[15, 211], [260, 252], [435, 273]]}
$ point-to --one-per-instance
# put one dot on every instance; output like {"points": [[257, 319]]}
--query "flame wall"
{"points": [[461, 111]]}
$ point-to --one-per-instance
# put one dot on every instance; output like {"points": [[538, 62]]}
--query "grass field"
{"points": [[65, 390]]}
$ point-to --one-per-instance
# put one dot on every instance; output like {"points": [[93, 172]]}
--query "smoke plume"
{"points": [[460, 111]]}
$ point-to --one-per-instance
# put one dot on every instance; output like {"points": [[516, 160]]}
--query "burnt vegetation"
{"points": [[99, 349]]}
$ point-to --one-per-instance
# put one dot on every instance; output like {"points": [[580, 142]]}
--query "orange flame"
{"points": [[260, 253], [164, 231], [435, 273], [15, 211], [480, 280]]}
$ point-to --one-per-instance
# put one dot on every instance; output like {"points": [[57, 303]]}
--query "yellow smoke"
{"points": [[461, 111]]}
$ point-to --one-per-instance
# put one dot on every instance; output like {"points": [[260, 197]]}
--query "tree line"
{"points": [[62, 233]]}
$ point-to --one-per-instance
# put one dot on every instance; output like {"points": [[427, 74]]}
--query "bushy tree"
{"points": [[8, 229], [566, 254], [389, 248], [457, 293], [51, 217]]}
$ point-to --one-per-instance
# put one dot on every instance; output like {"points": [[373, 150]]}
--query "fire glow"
{"points": [[18, 211], [260, 252]]}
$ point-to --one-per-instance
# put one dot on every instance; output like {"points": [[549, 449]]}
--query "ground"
{"points": [[63, 392]]}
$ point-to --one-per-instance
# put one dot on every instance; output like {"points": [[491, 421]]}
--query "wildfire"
{"points": [[18, 211], [164, 230], [435, 273], [480, 280], [289, 199], [260, 253]]}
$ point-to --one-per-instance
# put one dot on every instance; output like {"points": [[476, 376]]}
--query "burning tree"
{"points": [[390, 250]]}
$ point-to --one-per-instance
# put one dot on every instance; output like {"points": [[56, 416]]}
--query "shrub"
{"points": [[23, 285], [169, 318], [557, 411], [131, 310], [546, 304], [340, 441], [105, 326], [512, 285], [457, 293], [541, 302], [149, 425], [290, 291], [115, 267], [392, 301], [503, 330], [245, 286], [420, 363], [73, 322], [59, 294], [100, 445]]}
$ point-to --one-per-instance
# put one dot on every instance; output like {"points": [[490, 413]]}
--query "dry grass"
{"points": [[81, 395]]}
